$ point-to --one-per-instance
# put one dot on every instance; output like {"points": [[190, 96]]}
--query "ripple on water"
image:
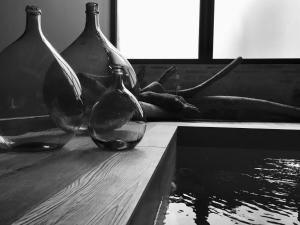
{"points": [[266, 192]]}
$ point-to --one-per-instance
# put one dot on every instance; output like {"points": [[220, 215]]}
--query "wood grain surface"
{"points": [[79, 184]]}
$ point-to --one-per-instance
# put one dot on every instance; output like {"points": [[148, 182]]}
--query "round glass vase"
{"points": [[90, 55], [40, 95], [117, 121]]}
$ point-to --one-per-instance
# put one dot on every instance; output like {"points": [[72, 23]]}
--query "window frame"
{"points": [[206, 37]]}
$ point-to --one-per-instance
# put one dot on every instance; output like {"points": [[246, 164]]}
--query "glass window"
{"points": [[158, 29], [256, 29]]}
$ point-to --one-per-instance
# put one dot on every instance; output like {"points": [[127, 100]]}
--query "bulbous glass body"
{"points": [[90, 55], [40, 95], [117, 120]]}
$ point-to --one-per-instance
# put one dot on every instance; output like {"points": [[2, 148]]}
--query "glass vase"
{"points": [[90, 55], [40, 95], [117, 121]]}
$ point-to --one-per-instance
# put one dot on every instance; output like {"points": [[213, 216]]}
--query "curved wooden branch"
{"points": [[230, 108], [156, 113], [155, 87], [175, 105], [244, 109], [168, 73], [190, 92]]}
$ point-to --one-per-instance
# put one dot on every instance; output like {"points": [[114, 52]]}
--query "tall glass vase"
{"points": [[90, 55], [40, 95]]}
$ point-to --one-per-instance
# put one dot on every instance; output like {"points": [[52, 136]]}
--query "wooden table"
{"points": [[81, 184]]}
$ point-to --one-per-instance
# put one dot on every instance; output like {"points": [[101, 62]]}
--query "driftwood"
{"points": [[190, 92], [161, 104], [244, 109], [156, 86]]}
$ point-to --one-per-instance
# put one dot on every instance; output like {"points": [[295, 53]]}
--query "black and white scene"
{"points": [[149, 112]]}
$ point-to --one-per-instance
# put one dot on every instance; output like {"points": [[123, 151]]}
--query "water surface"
{"points": [[234, 186]]}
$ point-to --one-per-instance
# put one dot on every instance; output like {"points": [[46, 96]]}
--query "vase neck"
{"points": [[33, 20], [92, 23], [119, 82], [118, 72], [92, 18]]}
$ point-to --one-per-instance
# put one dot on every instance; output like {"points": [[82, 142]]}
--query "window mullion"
{"points": [[206, 30], [113, 22]]}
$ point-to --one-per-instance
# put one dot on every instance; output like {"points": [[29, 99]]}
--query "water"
{"points": [[235, 187]]}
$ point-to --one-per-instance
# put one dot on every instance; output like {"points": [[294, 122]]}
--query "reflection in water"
{"points": [[260, 190]]}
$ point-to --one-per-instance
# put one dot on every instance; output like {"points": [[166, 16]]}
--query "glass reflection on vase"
{"points": [[36, 81]]}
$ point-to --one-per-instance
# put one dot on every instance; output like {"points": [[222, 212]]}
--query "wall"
{"points": [[62, 20]]}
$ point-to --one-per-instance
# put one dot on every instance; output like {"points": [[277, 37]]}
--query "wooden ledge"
{"points": [[80, 184]]}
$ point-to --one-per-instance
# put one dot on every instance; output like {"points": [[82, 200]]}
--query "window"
{"points": [[162, 29], [257, 29], [207, 31]]}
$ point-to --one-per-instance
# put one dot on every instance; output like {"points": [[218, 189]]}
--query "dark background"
{"points": [[62, 20]]}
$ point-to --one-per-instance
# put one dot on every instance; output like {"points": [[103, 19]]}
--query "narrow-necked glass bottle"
{"points": [[36, 81], [90, 55], [117, 121]]}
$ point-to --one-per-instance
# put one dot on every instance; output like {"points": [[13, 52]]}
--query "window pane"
{"points": [[257, 29], [158, 29]]}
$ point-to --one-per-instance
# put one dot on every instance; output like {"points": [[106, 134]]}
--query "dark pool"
{"points": [[234, 186]]}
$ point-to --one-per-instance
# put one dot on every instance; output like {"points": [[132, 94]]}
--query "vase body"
{"points": [[90, 55], [33, 115], [117, 121]]}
